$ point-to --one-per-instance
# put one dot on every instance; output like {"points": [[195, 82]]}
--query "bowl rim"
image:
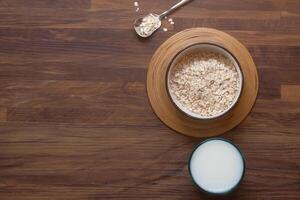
{"points": [[232, 105], [236, 185]]}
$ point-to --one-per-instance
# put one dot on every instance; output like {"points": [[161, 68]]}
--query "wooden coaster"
{"points": [[157, 88]]}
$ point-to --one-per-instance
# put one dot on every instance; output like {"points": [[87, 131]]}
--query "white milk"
{"points": [[216, 166]]}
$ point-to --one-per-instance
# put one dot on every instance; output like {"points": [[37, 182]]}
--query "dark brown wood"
{"points": [[75, 121]]}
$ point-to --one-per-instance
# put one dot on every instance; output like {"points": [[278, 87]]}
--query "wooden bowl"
{"points": [[209, 48], [162, 104]]}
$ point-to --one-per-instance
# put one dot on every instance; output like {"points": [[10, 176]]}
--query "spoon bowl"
{"points": [[138, 25]]}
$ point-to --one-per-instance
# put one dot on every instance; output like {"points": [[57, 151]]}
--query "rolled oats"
{"points": [[206, 83]]}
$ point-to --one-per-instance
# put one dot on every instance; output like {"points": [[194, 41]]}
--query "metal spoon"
{"points": [[157, 18]]}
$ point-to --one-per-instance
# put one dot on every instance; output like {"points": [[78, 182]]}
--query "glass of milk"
{"points": [[217, 166]]}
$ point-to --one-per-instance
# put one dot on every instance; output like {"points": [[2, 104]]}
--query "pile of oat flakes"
{"points": [[205, 83]]}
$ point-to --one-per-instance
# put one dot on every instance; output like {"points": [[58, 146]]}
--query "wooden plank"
{"points": [[282, 106], [63, 94], [290, 93], [45, 4], [3, 114]]}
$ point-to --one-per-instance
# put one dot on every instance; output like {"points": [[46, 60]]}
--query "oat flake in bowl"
{"points": [[204, 81]]}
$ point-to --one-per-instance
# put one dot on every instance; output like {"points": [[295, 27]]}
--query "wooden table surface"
{"points": [[75, 121]]}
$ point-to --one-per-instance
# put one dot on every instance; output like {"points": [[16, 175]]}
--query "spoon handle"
{"points": [[179, 4]]}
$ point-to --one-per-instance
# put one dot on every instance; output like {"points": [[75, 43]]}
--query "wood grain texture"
{"points": [[159, 96], [75, 121]]}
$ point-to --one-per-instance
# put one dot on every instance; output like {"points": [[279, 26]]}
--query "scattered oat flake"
{"points": [[136, 4], [137, 9], [172, 22], [165, 29], [166, 17]]}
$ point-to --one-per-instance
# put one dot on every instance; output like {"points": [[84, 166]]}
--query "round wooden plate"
{"points": [[157, 88]]}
